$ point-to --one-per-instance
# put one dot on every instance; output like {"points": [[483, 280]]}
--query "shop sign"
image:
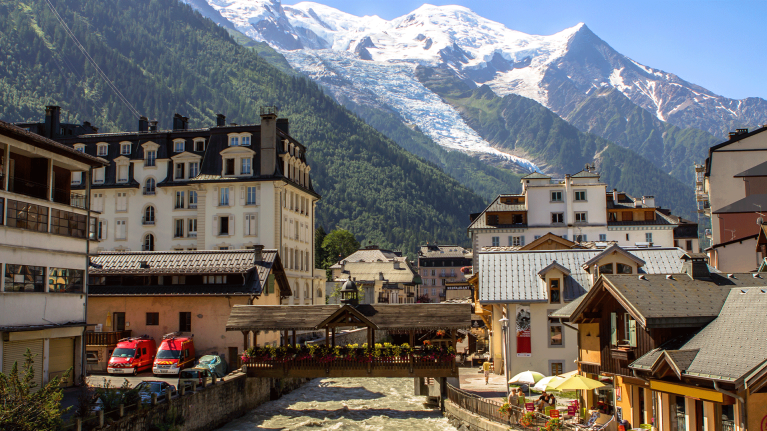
{"points": [[524, 348]]}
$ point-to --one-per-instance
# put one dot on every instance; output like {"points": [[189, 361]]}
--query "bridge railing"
{"points": [[350, 364]]}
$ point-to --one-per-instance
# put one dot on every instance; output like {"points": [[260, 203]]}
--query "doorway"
{"points": [[118, 321]]}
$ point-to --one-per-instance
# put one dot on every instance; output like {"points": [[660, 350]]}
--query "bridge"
{"points": [[431, 360]]}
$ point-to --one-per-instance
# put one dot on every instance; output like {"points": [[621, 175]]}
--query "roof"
{"points": [[660, 219], [513, 276], [732, 345], [372, 255], [759, 170], [585, 174], [567, 310], [554, 265], [395, 317], [725, 244], [749, 204], [497, 205], [536, 176], [613, 249], [732, 139], [20, 134], [649, 359], [443, 251], [370, 271]]}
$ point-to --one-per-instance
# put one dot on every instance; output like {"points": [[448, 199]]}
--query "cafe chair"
{"points": [[588, 423]]}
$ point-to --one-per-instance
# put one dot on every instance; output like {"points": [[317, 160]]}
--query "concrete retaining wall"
{"points": [[212, 406], [464, 420]]}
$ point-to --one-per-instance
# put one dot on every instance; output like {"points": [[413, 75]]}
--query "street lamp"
{"points": [[505, 326]]}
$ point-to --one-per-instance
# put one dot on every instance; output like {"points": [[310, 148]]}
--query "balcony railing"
{"points": [[149, 191], [105, 338], [147, 221]]}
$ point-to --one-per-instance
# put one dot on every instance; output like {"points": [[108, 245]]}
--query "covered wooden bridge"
{"points": [[327, 361]]}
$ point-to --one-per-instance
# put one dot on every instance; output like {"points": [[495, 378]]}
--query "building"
{"points": [[158, 292], [578, 208], [231, 186], [527, 286], [45, 240], [440, 265], [731, 190], [683, 350]]}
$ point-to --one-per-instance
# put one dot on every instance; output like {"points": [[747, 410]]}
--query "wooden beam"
{"points": [[327, 336], [294, 337], [245, 340], [333, 334], [592, 315], [255, 338], [370, 336]]}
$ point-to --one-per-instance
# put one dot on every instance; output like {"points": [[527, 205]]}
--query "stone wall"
{"points": [[464, 420], [212, 406]]}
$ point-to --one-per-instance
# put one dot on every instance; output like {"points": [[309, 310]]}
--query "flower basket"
{"points": [[505, 409], [527, 419]]}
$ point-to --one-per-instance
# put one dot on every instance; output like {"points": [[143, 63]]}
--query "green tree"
{"points": [[22, 408], [338, 244], [319, 253]]}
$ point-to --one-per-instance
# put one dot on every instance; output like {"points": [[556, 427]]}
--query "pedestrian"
{"points": [[513, 404], [486, 369]]}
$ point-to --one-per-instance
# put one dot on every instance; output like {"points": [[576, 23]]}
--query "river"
{"points": [[345, 404]]}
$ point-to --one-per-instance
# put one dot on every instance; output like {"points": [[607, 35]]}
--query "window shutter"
{"points": [[231, 225], [632, 333], [258, 195], [242, 195], [522, 240], [613, 329], [584, 238], [104, 230]]}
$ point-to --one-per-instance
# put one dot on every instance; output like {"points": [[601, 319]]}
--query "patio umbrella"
{"points": [[527, 377], [578, 382], [568, 374], [548, 384]]}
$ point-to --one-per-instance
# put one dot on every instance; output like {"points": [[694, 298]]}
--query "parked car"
{"points": [[201, 376], [176, 352], [132, 355], [149, 387], [214, 363]]}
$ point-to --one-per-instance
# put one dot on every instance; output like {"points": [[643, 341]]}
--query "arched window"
{"points": [[148, 243], [606, 268], [149, 215], [149, 186], [306, 290], [623, 268]]}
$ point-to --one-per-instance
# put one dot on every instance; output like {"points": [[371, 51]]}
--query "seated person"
{"points": [[552, 402], [543, 401]]}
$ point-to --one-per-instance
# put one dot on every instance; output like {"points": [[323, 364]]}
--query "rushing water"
{"points": [[345, 404]]}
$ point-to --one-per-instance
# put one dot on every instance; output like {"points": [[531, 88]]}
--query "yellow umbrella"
{"points": [[578, 382], [548, 384]]}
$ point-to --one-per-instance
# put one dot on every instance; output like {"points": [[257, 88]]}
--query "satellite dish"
{"points": [[760, 221]]}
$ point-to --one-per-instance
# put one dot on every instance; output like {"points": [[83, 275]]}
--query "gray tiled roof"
{"points": [[682, 358], [443, 251], [749, 204], [372, 255], [370, 271], [646, 361], [567, 310], [535, 176], [513, 276], [8, 129], [585, 174]]}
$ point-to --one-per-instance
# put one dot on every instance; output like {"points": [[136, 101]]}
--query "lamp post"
{"points": [[505, 326]]}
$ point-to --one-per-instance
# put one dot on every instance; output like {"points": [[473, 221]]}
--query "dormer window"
{"points": [[178, 146], [103, 149], [179, 172], [234, 141], [246, 141], [194, 169], [125, 148], [98, 176], [246, 167], [150, 158], [199, 144], [624, 269], [122, 173], [554, 292], [606, 268], [80, 147], [229, 166]]}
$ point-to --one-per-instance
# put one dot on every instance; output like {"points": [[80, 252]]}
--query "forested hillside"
{"points": [[166, 58], [516, 122]]}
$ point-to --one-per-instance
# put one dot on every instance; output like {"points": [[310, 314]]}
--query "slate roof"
{"points": [[396, 317], [734, 344], [15, 132], [759, 170], [614, 249], [370, 271], [443, 251], [536, 176], [567, 310], [585, 174], [372, 255], [513, 276], [496, 206], [749, 204], [649, 359]]}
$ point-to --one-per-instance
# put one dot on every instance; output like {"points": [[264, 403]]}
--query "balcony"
{"points": [[623, 353], [149, 191], [105, 338], [147, 221]]}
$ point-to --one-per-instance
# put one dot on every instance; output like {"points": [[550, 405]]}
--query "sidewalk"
{"points": [[472, 380]]}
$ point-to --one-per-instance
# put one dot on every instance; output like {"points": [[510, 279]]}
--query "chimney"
{"points": [[220, 120], [615, 196], [695, 265], [637, 203], [648, 201], [143, 124], [268, 140], [258, 253], [52, 121], [153, 126], [179, 122]]}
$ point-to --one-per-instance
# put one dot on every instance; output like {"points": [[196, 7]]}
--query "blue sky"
{"points": [[720, 45]]}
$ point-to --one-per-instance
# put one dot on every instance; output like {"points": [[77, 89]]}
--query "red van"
{"points": [[176, 352], [132, 355]]}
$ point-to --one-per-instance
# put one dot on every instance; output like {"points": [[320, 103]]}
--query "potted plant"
{"points": [[527, 419], [505, 409]]}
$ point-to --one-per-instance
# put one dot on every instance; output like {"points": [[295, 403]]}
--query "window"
{"points": [[556, 196], [250, 197], [627, 216], [246, 141], [579, 238], [178, 279], [648, 237], [68, 223], [623, 268], [612, 216], [149, 186], [179, 171], [102, 230], [580, 195], [433, 281], [103, 150], [120, 229], [496, 241], [555, 335], [557, 218], [80, 148], [234, 141], [24, 278], [536, 236], [192, 199], [214, 279], [148, 243], [194, 169], [150, 157], [178, 146], [229, 166], [77, 178], [125, 149], [554, 296], [688, 245], [516, 241], [603, 237], [629, 330], [433, 272], [192, 232], [606, 268], [223, 225], [152, 319], [649, 215], [627, 237], [199, 145], [180, 200], [185, 321], [98, 175], [223, 197], [148, 215], [26, 216], [179, 228], [246, 166], [122, 173], [580, 217], [62, 280], [251, 224], [556, 368]]}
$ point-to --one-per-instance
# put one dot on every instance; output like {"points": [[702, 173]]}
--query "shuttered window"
{"points": [[613, 329]]}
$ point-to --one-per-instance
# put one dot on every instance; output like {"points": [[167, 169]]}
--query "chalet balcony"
{"points": [[43, 191], [105, 338], [623, 353]]}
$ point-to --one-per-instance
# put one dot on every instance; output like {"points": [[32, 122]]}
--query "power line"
{"points": [[93, 62]]}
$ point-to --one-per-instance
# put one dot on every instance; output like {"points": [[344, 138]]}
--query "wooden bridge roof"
{"points": [[392, 317]]}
